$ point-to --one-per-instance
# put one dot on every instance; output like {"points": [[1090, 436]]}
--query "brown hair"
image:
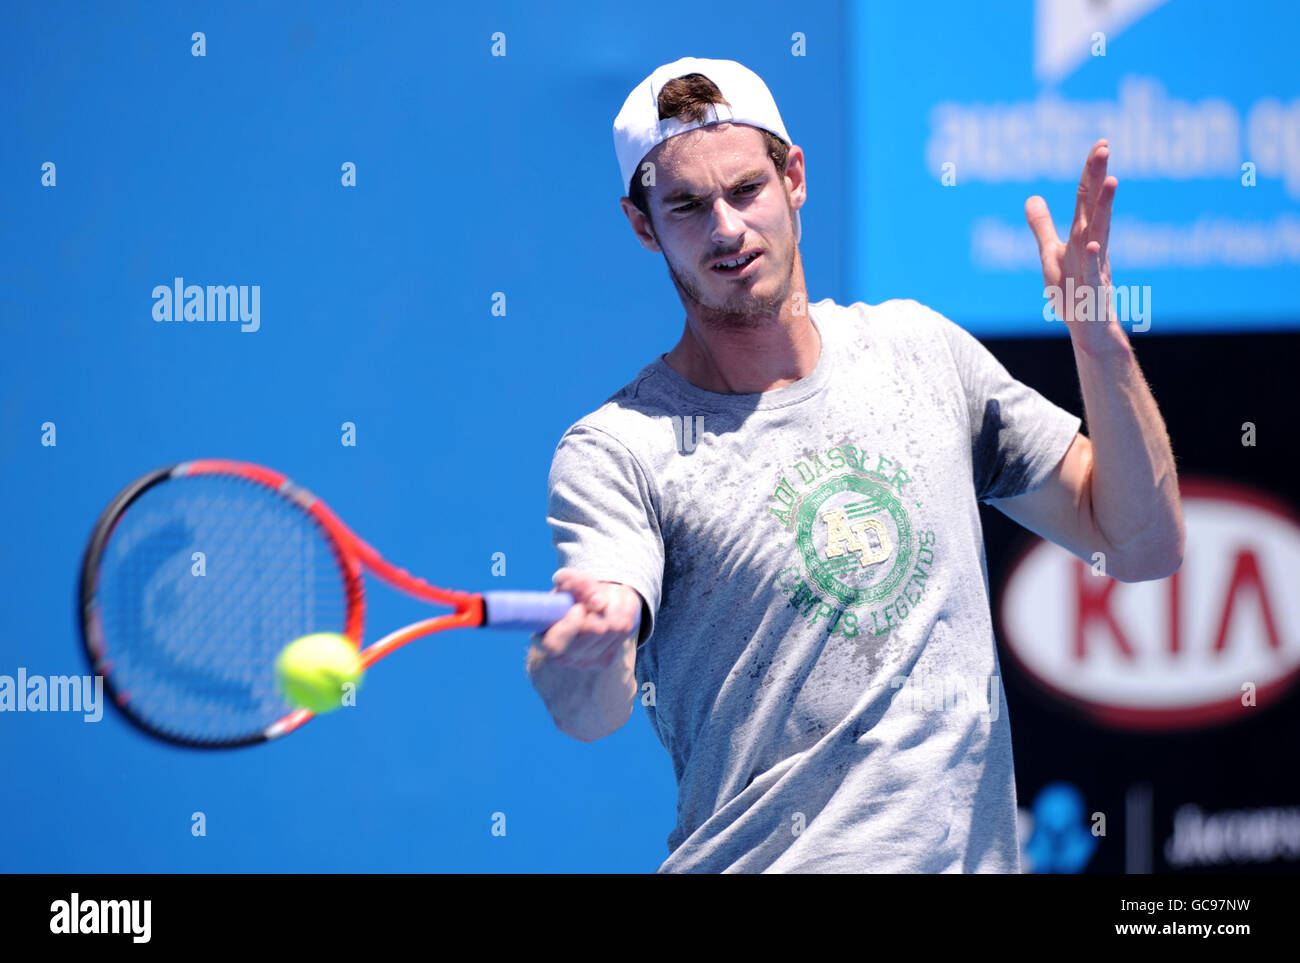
{"points": [[688, 98]]}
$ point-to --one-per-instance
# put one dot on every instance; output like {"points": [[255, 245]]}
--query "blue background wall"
{"points": [[475, 174]]}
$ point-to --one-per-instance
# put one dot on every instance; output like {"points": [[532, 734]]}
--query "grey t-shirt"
{"points": [[817, 651]]}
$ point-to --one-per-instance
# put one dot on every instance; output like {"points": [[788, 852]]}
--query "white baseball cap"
{"points": [[638, 129]]}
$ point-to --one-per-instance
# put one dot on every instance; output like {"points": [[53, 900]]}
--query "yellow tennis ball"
{"points": [[312, 671]]}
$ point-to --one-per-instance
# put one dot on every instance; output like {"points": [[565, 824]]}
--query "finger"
{"points": [[556, 640], [1096, 185], [587, 648], [1092, 264], [599, 633], [1094, 172], [1100, 160], [1093, 275], [1101, 220], [576, 583], [1040, 222]]}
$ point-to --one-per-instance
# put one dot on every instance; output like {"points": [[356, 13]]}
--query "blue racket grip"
{"points": [[524, 611]]}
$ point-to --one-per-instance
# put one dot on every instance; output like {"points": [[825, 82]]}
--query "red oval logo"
{"points": [[1214, 641]]}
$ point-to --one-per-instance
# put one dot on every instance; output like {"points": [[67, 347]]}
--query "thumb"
{"points": [[1040, 222]]}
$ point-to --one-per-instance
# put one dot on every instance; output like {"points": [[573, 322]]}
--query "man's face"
{"points": [[722, 217]]}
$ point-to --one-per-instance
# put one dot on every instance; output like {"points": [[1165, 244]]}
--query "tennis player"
{"points": [[787, 500]]}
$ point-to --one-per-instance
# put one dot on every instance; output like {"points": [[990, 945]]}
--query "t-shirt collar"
{"points": [[790, 394]]}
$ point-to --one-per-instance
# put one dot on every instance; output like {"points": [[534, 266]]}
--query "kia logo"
{"points": [[1200, 647]]}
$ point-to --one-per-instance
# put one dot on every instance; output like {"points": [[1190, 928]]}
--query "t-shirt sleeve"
{"points": [[602, 516], [1017, 436]]}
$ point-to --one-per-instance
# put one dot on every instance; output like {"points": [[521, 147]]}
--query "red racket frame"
{"points": [[354, 556]]}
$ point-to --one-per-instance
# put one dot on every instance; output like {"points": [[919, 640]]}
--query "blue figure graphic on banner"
{"points": [[1060, 841]]}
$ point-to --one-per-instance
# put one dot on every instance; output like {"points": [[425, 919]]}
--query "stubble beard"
{"points": [[743, 310]]}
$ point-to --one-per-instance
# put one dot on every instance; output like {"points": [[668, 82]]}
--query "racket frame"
{"points": [[352, 554]]}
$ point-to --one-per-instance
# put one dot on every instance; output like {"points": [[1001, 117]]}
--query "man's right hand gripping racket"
{"points": [[187, 644]]}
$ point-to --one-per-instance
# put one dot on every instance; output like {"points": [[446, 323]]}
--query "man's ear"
{"points": [[796, 178], [642, 226]]}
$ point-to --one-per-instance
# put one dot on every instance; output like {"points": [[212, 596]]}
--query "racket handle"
{"points": [[524, 611]]}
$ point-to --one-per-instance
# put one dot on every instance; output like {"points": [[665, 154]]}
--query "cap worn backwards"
{"points": [[638, 129]]}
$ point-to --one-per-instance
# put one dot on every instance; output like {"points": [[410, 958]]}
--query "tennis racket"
{"points": [[196, 576]]}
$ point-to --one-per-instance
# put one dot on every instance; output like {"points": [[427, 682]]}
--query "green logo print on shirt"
{"points": [[856, 541]]}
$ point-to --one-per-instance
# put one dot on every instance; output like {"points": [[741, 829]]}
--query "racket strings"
{"points": [[190, 640]]}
